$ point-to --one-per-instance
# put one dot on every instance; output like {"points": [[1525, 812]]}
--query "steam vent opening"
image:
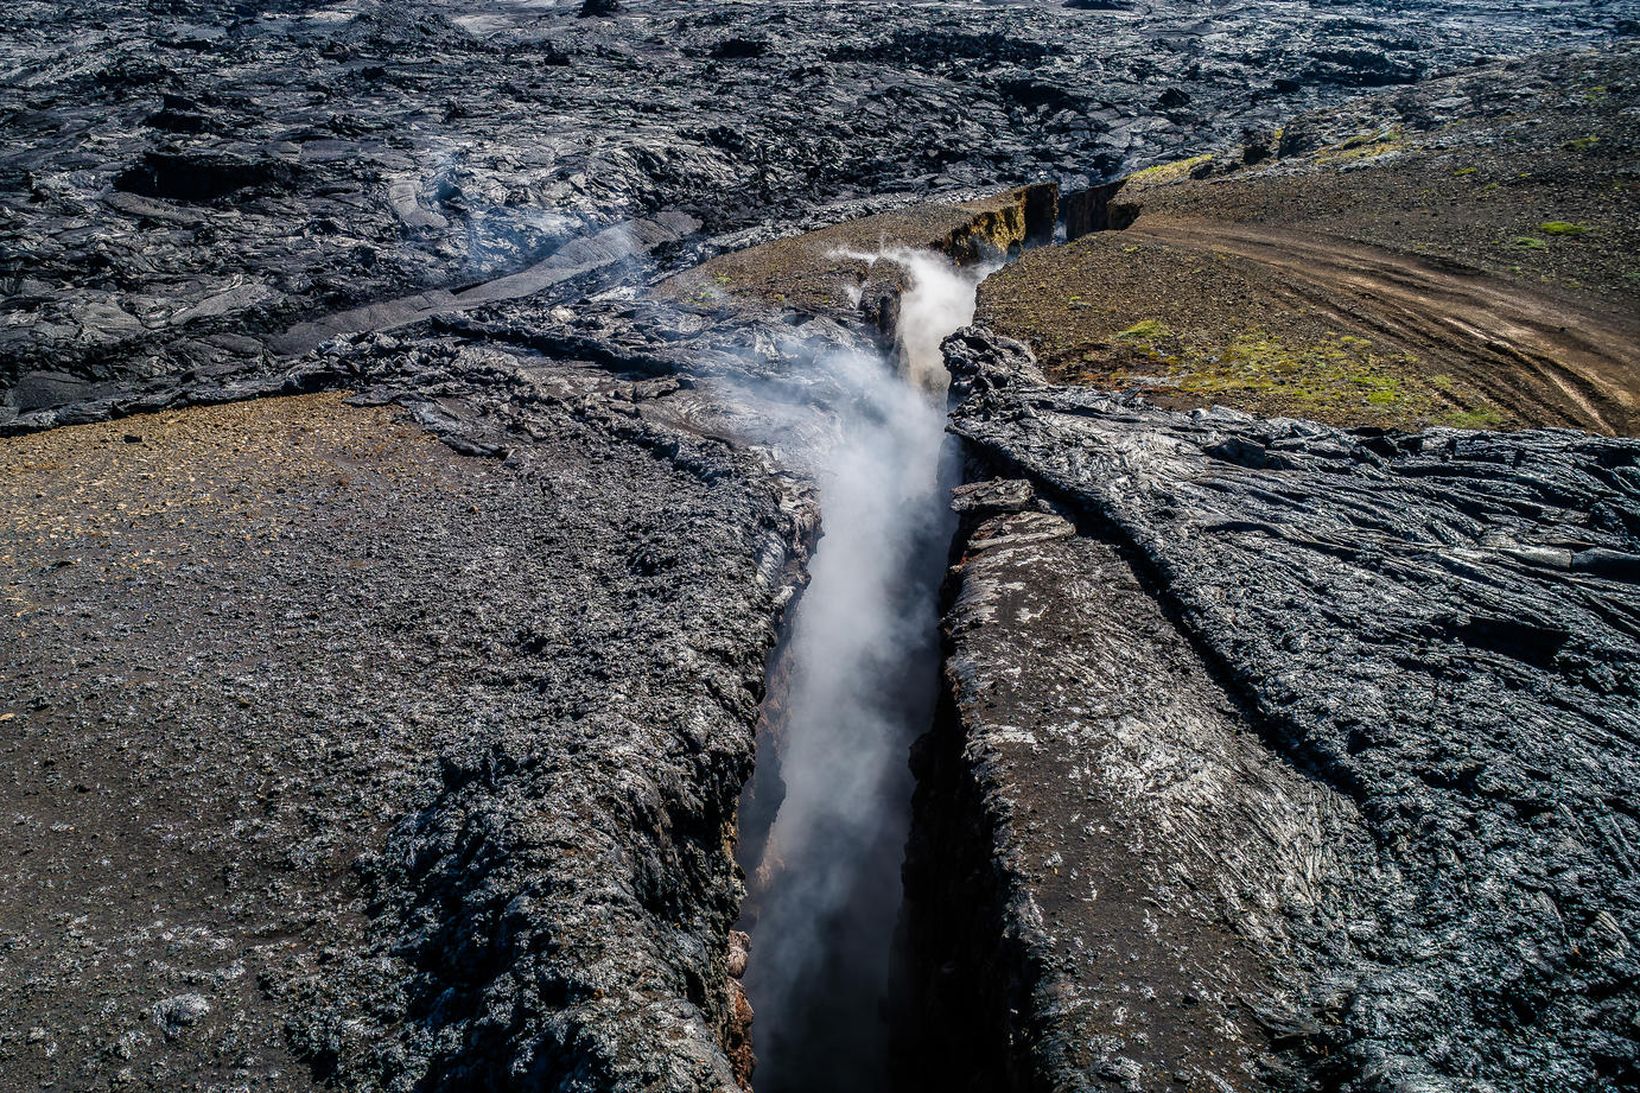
{"points": [[826, 814]]}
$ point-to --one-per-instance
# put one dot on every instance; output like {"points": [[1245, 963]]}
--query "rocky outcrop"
{"points": [[1434, 631], [1113, 883], [574, 259], [501, 853]]}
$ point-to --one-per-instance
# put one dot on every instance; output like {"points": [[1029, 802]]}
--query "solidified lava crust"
{"points": [[184, 183], [1407, 808]]}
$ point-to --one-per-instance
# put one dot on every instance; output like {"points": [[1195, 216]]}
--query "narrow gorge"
{"points": [[859, 676]]}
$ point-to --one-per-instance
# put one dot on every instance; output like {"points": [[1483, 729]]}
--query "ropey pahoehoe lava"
{"points": [[980, 546]]}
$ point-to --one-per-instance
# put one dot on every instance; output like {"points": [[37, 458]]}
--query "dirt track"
{"points": [[1460, 256], [1550, 360]]}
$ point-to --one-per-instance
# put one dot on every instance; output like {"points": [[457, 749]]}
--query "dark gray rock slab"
{"points": [[1160, 880], [1441, 627]]}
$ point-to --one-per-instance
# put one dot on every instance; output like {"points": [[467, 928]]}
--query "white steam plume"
{"points": [[863, 655], [939, 301]]}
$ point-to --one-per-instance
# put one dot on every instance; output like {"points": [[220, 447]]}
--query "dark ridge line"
{"points": [[1275, 731]]}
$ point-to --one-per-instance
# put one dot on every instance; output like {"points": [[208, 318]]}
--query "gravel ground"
{"points": [[224, 687], [334, 751]]}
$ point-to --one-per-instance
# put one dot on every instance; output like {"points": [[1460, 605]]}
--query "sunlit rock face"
{"points": [[1395, 688]]}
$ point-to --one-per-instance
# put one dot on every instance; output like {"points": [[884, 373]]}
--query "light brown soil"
{"points": [[823, 271], [218, 689]]}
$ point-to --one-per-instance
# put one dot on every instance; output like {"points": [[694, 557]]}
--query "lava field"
{"points": [[978, 546]]}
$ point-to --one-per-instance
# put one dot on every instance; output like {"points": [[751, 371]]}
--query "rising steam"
{"points": [[864, 655]]}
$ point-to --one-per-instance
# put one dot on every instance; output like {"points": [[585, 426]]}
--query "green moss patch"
{"points": [[1362, 146], [1343, 378], [1486, 417], [1340, 373], [1169, 172], [1147, 330]]}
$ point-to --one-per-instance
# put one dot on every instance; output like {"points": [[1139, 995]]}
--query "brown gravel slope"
{"points": [[1461, 253], [218, 684]]}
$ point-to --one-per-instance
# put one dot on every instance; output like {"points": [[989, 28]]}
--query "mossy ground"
{"points": [[1364, 146], [1188, 329], [1542, 202], [1170, 172], [1336, 377]]}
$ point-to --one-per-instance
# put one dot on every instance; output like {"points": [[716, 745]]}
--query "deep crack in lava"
{"points": [[863, 661]]}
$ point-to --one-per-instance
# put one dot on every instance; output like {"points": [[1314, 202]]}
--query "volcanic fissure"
{"points": [[826, 816]]}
